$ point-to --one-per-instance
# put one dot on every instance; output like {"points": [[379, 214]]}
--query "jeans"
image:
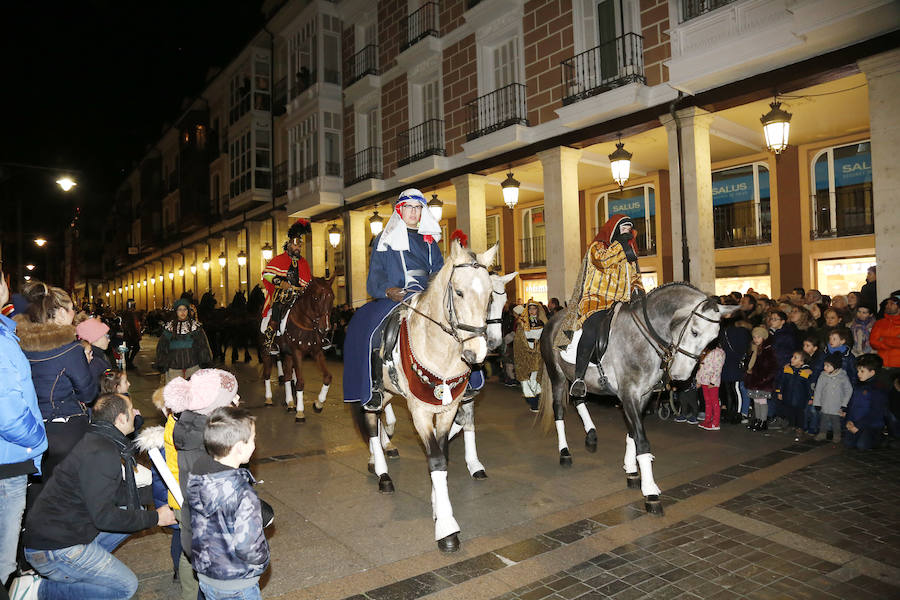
{"points": [[248, 593], [84, 570], [812, 419], [12, 499], [745, 399]]}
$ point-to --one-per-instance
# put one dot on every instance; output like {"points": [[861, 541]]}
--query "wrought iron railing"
{"points": [[533, 252], [853, 213], [422, 140], [363, 165], [280, 97], [607, 66], [691, 9], [305, 174], [497, 110], [736, 225], [281, 179], [420, 24], [364, 62]]}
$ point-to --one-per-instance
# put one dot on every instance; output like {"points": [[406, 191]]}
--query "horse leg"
{"points": [[560, 394], [434, 436], [378, 464], [590, 437], [390, 450], [390, 420], [299, 417], [280, 370], [319, 404], [632, 477], [465, 421], [266, 374], [288, 392], [632, 409]]}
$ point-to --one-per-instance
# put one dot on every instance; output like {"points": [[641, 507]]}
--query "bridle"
{"points": [[322, 332], [495, 294]]}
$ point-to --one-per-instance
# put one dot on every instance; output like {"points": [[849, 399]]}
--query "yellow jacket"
{"points": [[171, 456], [609, 278]]}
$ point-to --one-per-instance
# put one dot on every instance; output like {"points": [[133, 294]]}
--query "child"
{"points": [[811, 345], [833, 390], [760, 378], [229, 549], [795, 391], [838, 341], [866, 410], [708, 376], [861, 328]]}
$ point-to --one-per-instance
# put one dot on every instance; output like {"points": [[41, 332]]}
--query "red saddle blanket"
{"points": [[424, 384]]}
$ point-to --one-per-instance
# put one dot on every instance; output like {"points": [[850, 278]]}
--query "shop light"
{"points": [[436, 207], [222, 260], [777, 127], [334, 236], [620, 164], [510, 189], [376, 223], [267, 252]]}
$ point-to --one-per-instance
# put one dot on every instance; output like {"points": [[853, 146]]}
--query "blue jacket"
{"points": [[817, 364], [22, 435], [867, 406], [735, 341], [59, 369], [848, 362], [795, 385], [386, 268], [784, 343]]}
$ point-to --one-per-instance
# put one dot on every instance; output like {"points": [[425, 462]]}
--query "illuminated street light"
{"points": [[193, 269], [620, 164], [107, 294], [777, 127], [242, 258], [29, 267], [40, 242], [376, 223], [436, 207], [206, 264], [510, 189], [181, 272], [66, 183], [159, 278], [171, 275], [222, 260], [28, 278], [267, 252], [334, 235]]}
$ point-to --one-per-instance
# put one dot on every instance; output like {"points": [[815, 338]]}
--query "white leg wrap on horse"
{"points": [[561, 434], [268, 388], [280, 369], [472, 461], [585, 417], [378, 456], [444, 523], [648, 486], [454, 429], [322, 394], [288, 397], [390, 420], [299, 401], [630, 465], [383, 436]]}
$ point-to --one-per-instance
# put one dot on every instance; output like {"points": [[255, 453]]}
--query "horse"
{"points": [[442, 332], [241, 324], [213, 320], [304, 335], [650, 339]]}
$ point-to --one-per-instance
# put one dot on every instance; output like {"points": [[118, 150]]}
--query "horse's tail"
{"points": [[545, 407]]}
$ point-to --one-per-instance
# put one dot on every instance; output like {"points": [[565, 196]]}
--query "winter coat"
{"points": [[62, 377], [386, 267], [867, 406], [188, 437], [22, 436], [98, 365], [795, 385], [710, 371], [817, 364], [848, 362], [833, 390], [869, 295], [182, 345], [761, 376], [885, 339], [862, 329], [736, 342], [83, 498], [226, 519], [784, 343]]}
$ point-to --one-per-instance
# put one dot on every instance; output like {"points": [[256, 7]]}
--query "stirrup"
{"points": [[578, 388]]}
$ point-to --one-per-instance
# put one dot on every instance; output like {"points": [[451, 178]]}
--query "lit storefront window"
{"points": [[842, 200], [740, 278], [741, 206], [534, 289], [841, 276], [649, 280], [534, 252], [639, 203]]}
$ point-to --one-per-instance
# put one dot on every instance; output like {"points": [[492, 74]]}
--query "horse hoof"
{"points": [[392, 453], [371, 468], [633, 480], [385, 485], [653, 506], [299, 419], [479, 475], [317, 408], [268, 402], [289, 407], [449, 543], [590, 440], [565, 458]]}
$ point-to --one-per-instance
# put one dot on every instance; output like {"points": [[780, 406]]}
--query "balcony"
{"points": [[302, 81], [364, 62], [533, 252], [842, 214], [280, 97], [281, 179], [600, 69], [691, 9], [305, 174], [421, 141], [419, 25], [497, 110], [363, 165]]}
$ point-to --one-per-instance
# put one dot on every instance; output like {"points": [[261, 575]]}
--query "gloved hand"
{"points": [[396, 294]]}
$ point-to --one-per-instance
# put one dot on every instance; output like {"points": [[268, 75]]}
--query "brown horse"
{"points": [[305, 335]]}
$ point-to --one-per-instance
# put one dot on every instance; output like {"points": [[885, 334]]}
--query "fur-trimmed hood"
{"points": [[41, 337], [150, 437]]}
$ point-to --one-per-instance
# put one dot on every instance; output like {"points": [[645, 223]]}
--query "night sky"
{"points": [[90, 84]]}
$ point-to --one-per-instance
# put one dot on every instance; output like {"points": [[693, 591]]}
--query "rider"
{"points": [[287, 271], [612, 275]]}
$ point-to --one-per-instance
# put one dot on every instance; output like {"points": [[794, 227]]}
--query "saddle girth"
{"points": [[424, 384]]}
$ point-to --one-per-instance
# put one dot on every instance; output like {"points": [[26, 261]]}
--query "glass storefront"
{"points": [[840, 276], [842, 200], [535, 289], [639, 203], [741, 206]]}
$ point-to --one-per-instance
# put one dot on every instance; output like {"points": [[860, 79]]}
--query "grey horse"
{"points": [[651, 339]]}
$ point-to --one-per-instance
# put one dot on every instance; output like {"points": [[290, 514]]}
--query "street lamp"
{"points": [[620, 164], [159, 278], [376, 223], [27, 278], [334, 235], [777, 127], [40, 242], [30, 267], [242, 258], [181, 271], [206, 264], [267, 252], [171, 276], [66, 183], [193, 269], [436, 207], [510, 190], [222, 261]]}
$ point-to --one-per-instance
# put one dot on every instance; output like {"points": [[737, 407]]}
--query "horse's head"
{"points": [[693, 327], [468, 290], [495, 309], [318, 300]]}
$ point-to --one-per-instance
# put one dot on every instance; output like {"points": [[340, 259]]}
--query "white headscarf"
{"points": [[394, 234]]}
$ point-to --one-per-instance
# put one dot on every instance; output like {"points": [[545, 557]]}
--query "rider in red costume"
{"points": [[287, 271]]}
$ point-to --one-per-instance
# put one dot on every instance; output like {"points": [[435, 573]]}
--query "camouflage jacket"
{"points": [[227, 539]]}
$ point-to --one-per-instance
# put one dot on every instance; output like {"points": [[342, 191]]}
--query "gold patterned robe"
{"points": [[610, 277], [526, 358]]}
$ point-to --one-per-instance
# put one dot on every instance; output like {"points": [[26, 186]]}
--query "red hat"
{"points": [[91, 330], [608, 231]]}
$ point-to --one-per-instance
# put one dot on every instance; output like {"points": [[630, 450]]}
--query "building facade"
{"points": [[335, 107]]}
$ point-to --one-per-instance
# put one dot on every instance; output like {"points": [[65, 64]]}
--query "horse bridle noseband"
{"points": [[498, 320]]}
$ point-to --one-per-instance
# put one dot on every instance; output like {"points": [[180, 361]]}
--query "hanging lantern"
{"points": [[334, 236], [193, 269], [267, 252], [242, 258], [171, 275], [620, 164], [181, 271], [777, 127], [159, 278], [222, 260], [436, 207], [376, 223], [206, 264], [510, 189]]}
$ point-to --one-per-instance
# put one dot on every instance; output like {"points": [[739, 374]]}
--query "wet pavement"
{"points": [[748, 515]]}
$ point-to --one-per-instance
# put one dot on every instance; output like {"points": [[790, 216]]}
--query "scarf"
{"points": [[126, 451]]}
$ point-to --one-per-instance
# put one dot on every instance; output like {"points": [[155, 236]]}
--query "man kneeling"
{"points": [[86, 511]]}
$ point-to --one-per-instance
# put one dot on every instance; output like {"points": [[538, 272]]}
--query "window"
{"points": [[240, 164], [532, 242], [639, 203], [303, 151], [302, 58], [506, 63], [492, 225], [239, 94], [841, 276], [262, 172], [262, 88], [842, 200], [331, 50], [741, 206]]}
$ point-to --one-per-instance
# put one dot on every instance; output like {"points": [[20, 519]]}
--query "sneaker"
{"points": [[744, 420], [25, 587], [693, 421], [709, 427], [679, 419]]}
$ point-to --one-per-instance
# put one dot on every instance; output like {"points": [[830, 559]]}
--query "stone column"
{"points": [[697, 176], [883, 75], [282, 224], [318, 242], [255, 262], [232, 277], [355, 269], [470, 209], [562, 237]]}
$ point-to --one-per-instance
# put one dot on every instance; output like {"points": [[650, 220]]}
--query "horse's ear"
{"points": [[331, 279], [508, 277], [728, 309], [455, 250], [487, 257]]}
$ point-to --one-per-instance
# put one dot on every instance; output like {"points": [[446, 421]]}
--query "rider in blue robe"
{"points": [[398, 269]]}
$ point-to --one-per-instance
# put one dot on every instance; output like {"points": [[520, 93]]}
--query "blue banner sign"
{"points": [[632, 204], [732, 190], [848, 170]]}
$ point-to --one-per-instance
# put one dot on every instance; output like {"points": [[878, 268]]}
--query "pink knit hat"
{"points": [[207, 390], [91, 330]]}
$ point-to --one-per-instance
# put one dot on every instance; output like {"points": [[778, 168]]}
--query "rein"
{"points": [[315, 327]]}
